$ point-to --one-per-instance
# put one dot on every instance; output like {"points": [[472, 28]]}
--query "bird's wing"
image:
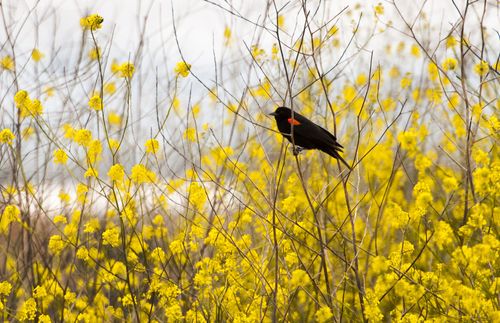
{"points": [[317, 131]]}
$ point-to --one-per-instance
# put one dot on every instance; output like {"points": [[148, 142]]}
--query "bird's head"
{"points": [[281, 113]]}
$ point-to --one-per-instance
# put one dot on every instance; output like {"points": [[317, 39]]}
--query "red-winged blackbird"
{"points": [[306, 134]]}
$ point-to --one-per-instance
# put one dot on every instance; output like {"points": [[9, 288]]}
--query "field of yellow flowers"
{"points": [[132, 191]]}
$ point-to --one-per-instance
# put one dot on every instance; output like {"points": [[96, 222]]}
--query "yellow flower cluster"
{"points": [[6, 136], [26, 106], [182, 69], [92, 22]]}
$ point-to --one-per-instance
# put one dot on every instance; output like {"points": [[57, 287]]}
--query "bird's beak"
{"points": [[272, 114]]}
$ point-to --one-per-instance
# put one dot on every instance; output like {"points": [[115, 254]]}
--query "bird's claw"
{"points": [[297, 150]]}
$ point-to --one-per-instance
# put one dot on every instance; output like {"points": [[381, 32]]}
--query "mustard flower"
{"points": [[451, 42], [481, 68], [111, 237], [10, 214], [7, 63], [182, 69], [415, 50], [39, 292], [83, 253], [116, 172], [190, 134], [141, 174], [92, 22], [449, 63], [127, 70], [83, 137], [110, 88], [64, 197], [333, 30], [95, 102], [27, 312], [323, 314], [152, 146], [56, 244], [6, 136], [5, 288], [60, 157], [36, 55], [60, 219], [91, 172], [379, 9]]}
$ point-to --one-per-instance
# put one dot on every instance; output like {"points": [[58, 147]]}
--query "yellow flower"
{"points": [[408, 139], [10, 214], [372, 311], [27, 312], [111, 237], [92, 22], [274, 51], [83, 137], [95, 102], [91, 172], [227, 35], [281, 21], [481, 68], [141, 174], [415, 50], [433, 71], [379, 9], [114, 144], [27, 106], [64, 197], [95, 53], [5, 288], [6, 136], [60, 219], [81, 192], [405, 82], [443, 234], [449, 64], [324, 314], [83, 253], [333, 30], [60, 157], [110, 88], [190, 134], [349, 93], [361, 79], [39, 292], [36, 55], [257, 52], [56, 244], [451, 42], [49, 91], [127, 70], [152, 146], [114, 118], [182, 69], [21, 97], [7, 63], [27, 132], [116, 172], [92, 226]]}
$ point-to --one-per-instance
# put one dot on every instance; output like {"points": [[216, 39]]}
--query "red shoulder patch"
{"points": [[293, 121]]}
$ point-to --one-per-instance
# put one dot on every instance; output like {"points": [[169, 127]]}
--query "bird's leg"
{"points": [[297, 150]]}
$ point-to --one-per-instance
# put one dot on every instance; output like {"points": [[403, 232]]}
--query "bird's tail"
{"points": [[335, 154], [344, 162]]}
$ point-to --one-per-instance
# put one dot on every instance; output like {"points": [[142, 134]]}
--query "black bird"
{"points": [[306, 134]]}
